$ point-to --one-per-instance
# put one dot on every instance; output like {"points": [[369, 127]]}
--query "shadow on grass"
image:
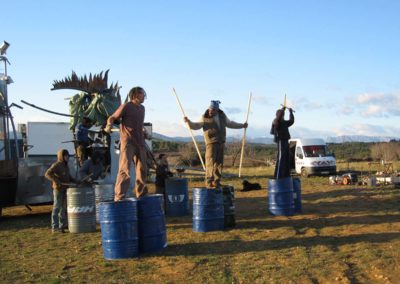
{"points": [[257, 208], [318, 223], [238, 246], [34, 220], [358, 191]]}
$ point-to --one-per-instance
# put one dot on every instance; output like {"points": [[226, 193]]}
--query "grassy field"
{"points": [[346, 234]]}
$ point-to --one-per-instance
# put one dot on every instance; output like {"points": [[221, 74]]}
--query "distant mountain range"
{"points": [[360, 138], [268, 140]]}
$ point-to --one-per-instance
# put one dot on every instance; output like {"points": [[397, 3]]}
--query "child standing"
{"points": [[162, 173]]}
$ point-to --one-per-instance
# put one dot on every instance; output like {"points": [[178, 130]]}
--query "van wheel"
{"points": [[304, 172]]}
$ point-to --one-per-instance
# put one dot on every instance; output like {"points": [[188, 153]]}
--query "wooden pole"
{"points": [[190, 130], [244, 136]]}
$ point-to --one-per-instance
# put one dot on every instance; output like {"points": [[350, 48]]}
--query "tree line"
{"points": [[264, 153]]}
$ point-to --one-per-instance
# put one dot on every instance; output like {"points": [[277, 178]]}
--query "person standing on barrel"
{"points": [[132, 135], [214, 123], [280, 130]]}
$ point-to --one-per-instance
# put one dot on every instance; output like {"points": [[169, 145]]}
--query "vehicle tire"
{"points": [[304, 172]]}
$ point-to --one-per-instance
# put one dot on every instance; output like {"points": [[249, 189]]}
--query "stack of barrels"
{"points": [[213, 209], [152, 229], [284, 196], [208, 210], [119, 229], [132, 226]]}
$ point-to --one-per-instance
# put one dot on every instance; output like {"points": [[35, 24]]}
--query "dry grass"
{"points": [[345, 235]]}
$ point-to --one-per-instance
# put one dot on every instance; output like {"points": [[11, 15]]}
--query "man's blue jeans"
{"points": [[59, 214]]}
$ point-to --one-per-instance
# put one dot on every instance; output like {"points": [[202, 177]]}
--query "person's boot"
{"points": [[210, 184]]}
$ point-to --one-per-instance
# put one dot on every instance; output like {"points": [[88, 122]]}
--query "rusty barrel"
{"points": [[81, 209]]}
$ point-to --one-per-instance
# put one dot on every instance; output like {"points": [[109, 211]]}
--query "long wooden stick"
{"points": [[190, 130], [244, 136]]}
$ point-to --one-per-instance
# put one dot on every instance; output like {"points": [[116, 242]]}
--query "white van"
{"points": [[311, 157]]}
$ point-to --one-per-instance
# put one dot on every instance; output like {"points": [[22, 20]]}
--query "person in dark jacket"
{"points": [[83, 140], [59, 175], [92, 166], [280, 130], [162, 173], [214, 123]]}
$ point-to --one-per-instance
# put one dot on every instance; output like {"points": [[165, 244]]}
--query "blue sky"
{"points": [[337, 61]]}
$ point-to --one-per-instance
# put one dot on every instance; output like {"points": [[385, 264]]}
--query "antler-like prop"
{"points": [[96, 83]]}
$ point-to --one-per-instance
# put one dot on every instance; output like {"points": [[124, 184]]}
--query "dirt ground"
{"points": [[344, 235]]}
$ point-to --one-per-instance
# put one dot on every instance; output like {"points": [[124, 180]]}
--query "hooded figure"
{"points": [[280, 130], [59, 175]]}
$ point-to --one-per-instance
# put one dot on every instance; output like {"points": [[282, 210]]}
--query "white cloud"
{"points": [[373, 105], [260, 100], [346, 110], [370, 98], [170, 129], [304, 103], [372, 110], [232, 110], [367, 130]]}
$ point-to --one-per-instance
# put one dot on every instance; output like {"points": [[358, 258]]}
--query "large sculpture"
{"points": [[96, 100]]}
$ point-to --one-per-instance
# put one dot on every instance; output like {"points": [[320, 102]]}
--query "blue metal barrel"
{"points": [[297, 195], [208, 210], [177, 197], [103, 193], [280, 196], [152, 230], [228, 192], [119, 229]]}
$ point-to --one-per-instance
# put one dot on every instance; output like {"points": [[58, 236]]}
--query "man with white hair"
{"points": [[214, 123]]}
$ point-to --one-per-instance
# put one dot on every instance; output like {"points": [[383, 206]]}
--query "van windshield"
{"points": [[316, 151]]}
